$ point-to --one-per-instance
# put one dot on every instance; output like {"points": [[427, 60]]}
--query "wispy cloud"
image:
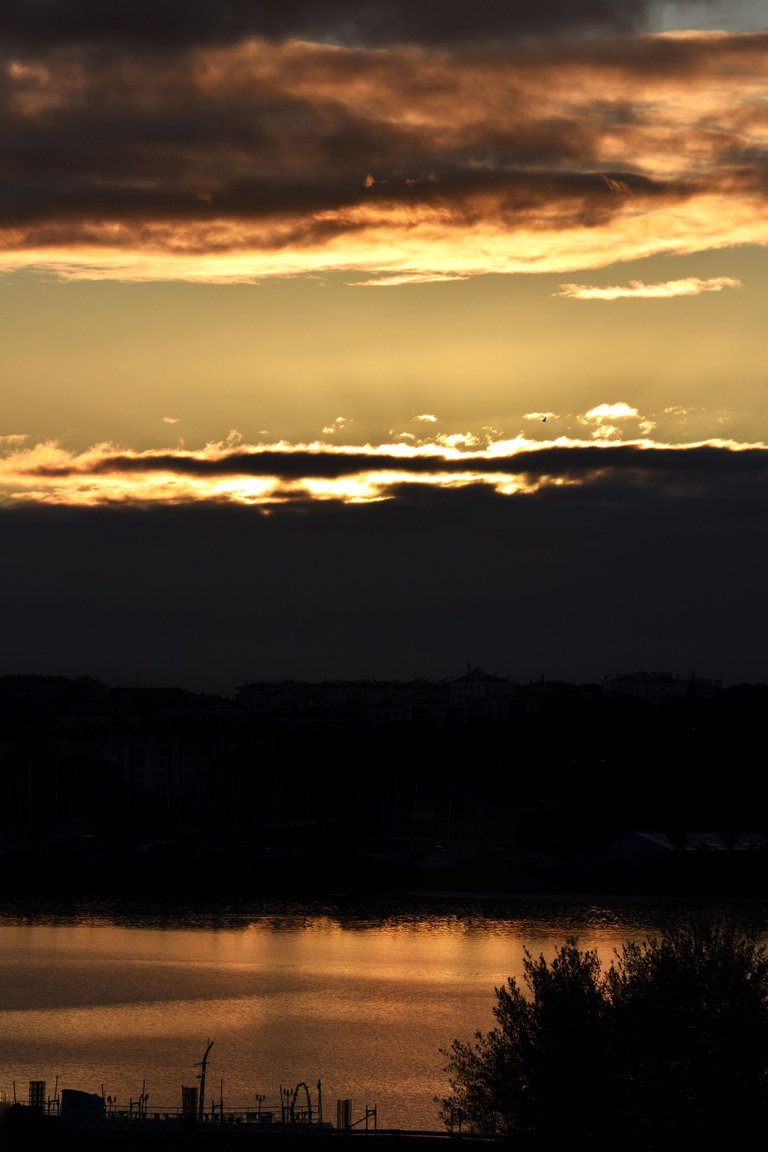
{"points": [[426, 418], [457, 439], [637, 289], [608, 421], [396, 279], [338, 425]]}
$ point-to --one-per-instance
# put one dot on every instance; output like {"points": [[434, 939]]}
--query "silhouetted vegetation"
{"points": [[666, 1047]]}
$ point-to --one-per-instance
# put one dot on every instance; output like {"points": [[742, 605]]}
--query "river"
{"points": [[362, 999]]}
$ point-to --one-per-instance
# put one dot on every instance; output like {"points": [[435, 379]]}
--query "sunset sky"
{"points": [[368, 339]]}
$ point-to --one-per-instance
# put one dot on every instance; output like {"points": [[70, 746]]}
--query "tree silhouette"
{"points": [[668, 1043]]}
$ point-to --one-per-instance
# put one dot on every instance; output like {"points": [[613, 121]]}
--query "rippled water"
{"points": [[362, 1000]]}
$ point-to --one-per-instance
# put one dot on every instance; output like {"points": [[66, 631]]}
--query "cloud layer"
{"points": [[278, 475], [229, 155]]}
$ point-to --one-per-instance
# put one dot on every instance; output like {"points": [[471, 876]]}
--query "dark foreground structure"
{"points": [[22, 1128]]}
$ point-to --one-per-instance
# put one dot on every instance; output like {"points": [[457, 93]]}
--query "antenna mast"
{"points": [[203, 1065]]}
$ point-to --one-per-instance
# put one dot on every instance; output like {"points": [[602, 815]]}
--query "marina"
{"points": [[297, 1108], [70, 1118]]}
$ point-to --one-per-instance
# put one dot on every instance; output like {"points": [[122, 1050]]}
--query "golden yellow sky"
{"points": [[439, 230], [304, 360], [459, 309]]}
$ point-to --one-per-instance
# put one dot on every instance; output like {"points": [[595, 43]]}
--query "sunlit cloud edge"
{"points": [[272, 475], [639, 290]]}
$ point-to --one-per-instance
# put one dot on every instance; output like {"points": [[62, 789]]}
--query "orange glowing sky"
{"points": [[284, 262], [566, 211]]}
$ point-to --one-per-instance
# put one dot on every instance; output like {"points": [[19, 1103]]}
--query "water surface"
{"points": [[362, 1000]]}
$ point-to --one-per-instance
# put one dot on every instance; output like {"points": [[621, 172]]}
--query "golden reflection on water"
{"points": [[364, 1005]]}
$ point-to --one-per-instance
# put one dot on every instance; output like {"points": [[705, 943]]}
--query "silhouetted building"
{"points": [[657, 687]]}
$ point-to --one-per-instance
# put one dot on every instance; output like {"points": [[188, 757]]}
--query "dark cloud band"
{"points": [[571, 582], [165, 23], [656, 465]]}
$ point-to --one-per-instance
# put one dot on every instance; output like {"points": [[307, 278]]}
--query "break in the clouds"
{"points": [[274, 475], [637, 290], [231, 153]]}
